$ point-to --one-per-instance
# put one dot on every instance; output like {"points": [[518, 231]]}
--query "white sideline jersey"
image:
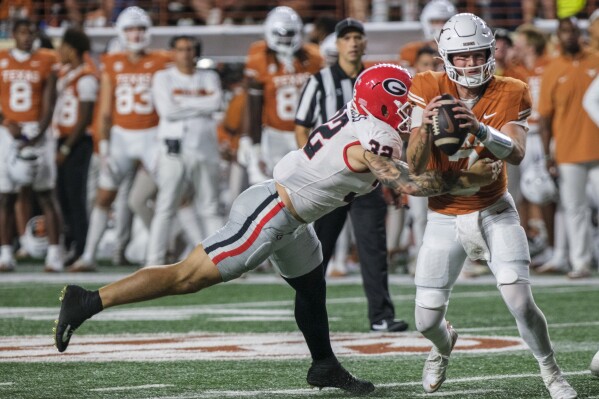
{"points": [[185, 104], [319, 178]]}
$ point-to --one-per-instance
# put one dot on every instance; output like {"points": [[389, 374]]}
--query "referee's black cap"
{"points": [[348, 25]]}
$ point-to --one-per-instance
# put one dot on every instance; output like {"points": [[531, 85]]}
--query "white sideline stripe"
{"points": [[130, 388], [310, 392], [460, 393], [3, 384]]}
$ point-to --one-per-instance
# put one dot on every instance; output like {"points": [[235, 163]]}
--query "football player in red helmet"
{"points": [[272, 220]]}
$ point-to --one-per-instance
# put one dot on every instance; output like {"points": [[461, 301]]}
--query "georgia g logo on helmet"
{"points": [[395, 87]]}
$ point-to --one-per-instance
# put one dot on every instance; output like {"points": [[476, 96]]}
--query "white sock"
{"points": [[97, 225], [6, 253], [54, 252]]}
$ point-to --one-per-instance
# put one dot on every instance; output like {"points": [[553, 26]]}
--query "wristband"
{"points": [[498, 143]]}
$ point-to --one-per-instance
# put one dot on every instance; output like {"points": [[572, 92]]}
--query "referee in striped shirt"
{"points": [[324, 94]]}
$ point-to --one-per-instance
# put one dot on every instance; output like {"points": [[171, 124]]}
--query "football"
{"points": [[595, 365], [447, 134]]}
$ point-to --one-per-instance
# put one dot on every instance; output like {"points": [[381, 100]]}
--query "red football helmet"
{"points": [[382, 91]]}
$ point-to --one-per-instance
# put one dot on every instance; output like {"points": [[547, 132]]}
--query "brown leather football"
{"points": [[447, 134]]}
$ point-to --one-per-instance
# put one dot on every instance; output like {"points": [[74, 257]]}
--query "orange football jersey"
{"points": [[66, 113], [563, 86], [132, 105], [22, 84], [505, 100], [281, 90], [533, 79]]}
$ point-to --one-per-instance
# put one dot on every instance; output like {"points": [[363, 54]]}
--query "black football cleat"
{"points": [[330, 373], [78, 305], [389, 325]]}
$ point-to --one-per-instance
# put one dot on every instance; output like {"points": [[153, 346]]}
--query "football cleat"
{"points": [[82, 266], [435, 366], [389, 326], [558, 387], [78, 305], [595, 365], [330, 373]]}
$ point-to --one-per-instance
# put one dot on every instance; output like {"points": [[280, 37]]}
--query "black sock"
{"points": [[94, 302], [311, 312]]}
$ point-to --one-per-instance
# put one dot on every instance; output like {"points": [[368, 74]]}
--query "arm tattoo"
{"points": [[395, 174]]}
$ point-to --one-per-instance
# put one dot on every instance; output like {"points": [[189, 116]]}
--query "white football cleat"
{"points": [[435, 366], [595, 365], [558, 387]]}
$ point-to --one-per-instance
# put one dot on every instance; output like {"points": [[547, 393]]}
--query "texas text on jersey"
{"points": [[133, 107]]}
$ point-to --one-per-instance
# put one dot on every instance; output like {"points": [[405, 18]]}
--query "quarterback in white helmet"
{"points": [[482, 224]]}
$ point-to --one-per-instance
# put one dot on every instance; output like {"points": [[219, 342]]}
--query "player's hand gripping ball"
{"points": [[447, 134]]}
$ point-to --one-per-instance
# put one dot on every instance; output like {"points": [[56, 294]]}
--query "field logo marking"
{"points": [[230, 346]]}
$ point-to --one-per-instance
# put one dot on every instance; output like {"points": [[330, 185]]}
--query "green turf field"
{"points": [[174, 347]]}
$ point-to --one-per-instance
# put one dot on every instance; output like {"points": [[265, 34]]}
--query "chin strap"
{"points": [[498, 143]]}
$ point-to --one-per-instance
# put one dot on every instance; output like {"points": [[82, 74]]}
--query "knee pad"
{"points": [[429, 298], [515, 272]]}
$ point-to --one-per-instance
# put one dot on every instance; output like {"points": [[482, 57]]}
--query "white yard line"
{"points": [[5, 384], [310, 392], [131, 388]]}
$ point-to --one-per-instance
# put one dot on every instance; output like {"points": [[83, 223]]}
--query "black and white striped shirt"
{"points": [[323, 95]]}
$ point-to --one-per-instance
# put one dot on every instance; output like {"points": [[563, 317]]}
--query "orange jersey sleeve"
{"points": [[133, 107], [282, 89], [22, 84], [563, 86], [505, 100]]}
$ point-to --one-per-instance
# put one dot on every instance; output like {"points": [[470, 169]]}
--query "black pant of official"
{"points": [[71, 188], [367, 214]]}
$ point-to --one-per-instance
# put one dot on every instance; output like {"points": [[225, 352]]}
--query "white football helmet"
{"points": [[537, 185], [134, 17], [434, 15], [22, 165], [35, 240], [283, 30], [462, 33], [328, 49]]}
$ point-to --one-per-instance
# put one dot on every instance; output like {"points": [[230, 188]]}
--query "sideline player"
{"points": [[27, 93], [77, 90], [344, 158], [185, 99], [276, 73], [128, 121], [480, 223]]}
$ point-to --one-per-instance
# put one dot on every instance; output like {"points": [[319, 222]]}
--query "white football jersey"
{"points": [[319, 178]]}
